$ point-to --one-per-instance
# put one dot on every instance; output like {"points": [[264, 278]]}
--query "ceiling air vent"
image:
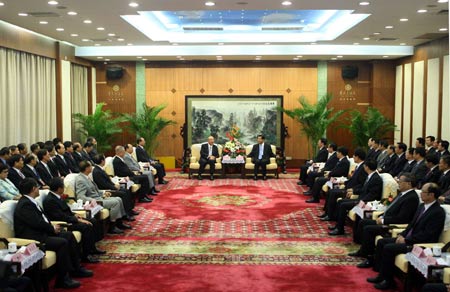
{"points": [[99, 40], [388, 39], [442, 12], [43, 14], [430, 36], [283, 28], [202, 28]]}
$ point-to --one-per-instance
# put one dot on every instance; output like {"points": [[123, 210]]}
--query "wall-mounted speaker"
{"points": [[349, 72], [114, 72]]}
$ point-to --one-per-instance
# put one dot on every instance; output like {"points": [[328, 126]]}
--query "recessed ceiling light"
{"points": [[443, 29], [99, 57], [218, 56], [85, 40], [313, 43], [100, 28], [87, 21], [133, 4], [74, 34], [72, 13], [120, 40], [178, 57], [365, 3], [295, 59], [130, 44], [333, 58], [210, 3], [299, 56], [181, 59], [267, 43], [388, 26], [356, 44], [220, 44], [442, 1], [97, 45], [402, 44], [286, 3], [144, 59], [107, 59], [385, 56], [366, 39], [139, 57], [339, 56], [422, 11], [60, 29], [258, 57], [53, 2], [377, 33], [23, 14], [403, 19], [111, 34], [43, 22], [174, 44], [2, 4]]}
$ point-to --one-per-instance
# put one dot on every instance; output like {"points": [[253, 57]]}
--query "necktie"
{"points": [[42, 212], [48, 170], [260, 151], [210, 150], [422, 210], [20, 174]]}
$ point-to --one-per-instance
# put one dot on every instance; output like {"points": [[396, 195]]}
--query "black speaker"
{"points": [[114, 72], [349, 72]]}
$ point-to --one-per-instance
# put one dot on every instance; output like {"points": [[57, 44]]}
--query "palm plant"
{"points": [[372, 124], [101, 124], [148, 125], [314, 118]]}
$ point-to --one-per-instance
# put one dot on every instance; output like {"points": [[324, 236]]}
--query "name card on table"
{"points": [[417, 251], [430, 261], [428, 252], [31, 249], [17, 257]]}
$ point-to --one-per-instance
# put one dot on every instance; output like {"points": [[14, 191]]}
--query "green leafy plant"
{"points": [[148, 125], [102, 125], [372, 124], [314, 118]]}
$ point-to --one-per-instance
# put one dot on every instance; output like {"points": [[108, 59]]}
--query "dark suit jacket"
{"points": [[78, 157], [322, 155], [446, 152], [372, 189], [444, 182], [357, 180], [102, 179], [14, 177], [432, 176], [58, 210], [204, 151], [341, 168], [73, 164], [121, 169], [29, 223], [142, 155], [420, 171], [402, 209], [43, 173], [85, 155], [428, 227], [374, 154], [267, 152], [432, 150], [62, 165], [331, 162], [398, 165], [389, 164]]}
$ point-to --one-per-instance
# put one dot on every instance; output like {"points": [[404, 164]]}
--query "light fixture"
{"points": [[267, 43], [402, 44], [286, 3], [60, 29], [144, 59], [43, 22], [133, 4], [174, 44], [366, 39], [87, 21], [385, 56], [388, 26], [107, 59], [100, 28], [443, 29], [210, 3], [99, 57], [120, 40], [220, 44], [85, 40], [339, 56], [139, 57], [111, 34], [442, 1], [376, 33], [299, 56], [356, 44], [130, 44], [422, 11], [72, 13], [313, 43], [403, 19], [2, 4], [178, 57], [365, 3], [333, 58], [74, 35], [22, 14], [53, 2], [97, 45], [295, 59]]}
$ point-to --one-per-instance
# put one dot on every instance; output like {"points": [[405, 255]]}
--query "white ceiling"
{"points": [[107, 14]]}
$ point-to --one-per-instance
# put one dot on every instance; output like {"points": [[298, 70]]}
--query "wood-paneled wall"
{"points": [[170, 85]]}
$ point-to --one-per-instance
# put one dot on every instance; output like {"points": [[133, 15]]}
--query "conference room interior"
{"points": [[60, 58]]}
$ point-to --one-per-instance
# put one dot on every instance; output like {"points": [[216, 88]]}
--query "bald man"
{"points": [[208, 154]]}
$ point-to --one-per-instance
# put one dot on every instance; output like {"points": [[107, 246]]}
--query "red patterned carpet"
{"points": [[228, 235]]}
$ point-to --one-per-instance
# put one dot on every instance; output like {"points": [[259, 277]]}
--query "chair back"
{"points": [[390, 186], [69, 185], [352, 165], [109, 168], [7, 218], [134, 155], [42, 195], [445, 234]]}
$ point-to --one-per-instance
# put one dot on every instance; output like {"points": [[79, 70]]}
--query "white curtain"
{"points": [[27, 98], [79, 93]]}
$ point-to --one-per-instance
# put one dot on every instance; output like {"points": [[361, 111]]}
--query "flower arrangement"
{"points": [[65, 198], [388, 200], [233, 148]]}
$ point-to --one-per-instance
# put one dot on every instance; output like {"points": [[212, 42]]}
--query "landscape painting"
{"points": [[216, 115]]}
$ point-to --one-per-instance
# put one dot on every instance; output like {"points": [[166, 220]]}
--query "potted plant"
{"points": [[314, 118], [102, 125], [148, 124], [372, 124]]}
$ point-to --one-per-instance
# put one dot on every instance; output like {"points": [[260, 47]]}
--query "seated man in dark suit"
{"points": [[87, 148], [77, 153], [29, 170], [260, 155], [322, 156], [389, 161], [15, 174], [429, 142], [352, 186], [371, 191], [433, 173], [4, 156], [208, 154], [420, 169], [31, 223], [45, 172], [341, 169], [93, 151], [57, 209], [329, 165], [410, 162], [60, 160], [122, 170], [442, 148], [68, 155], [399, 163], [444, 180], [425, 227], [142, 156], [400, 211], [374, 150]]}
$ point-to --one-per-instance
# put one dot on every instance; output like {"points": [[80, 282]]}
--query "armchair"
{"points": [[194, 164], [272, 167]]}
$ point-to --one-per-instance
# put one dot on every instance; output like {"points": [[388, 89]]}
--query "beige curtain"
{"points": [[27, 98], [79, 92]]}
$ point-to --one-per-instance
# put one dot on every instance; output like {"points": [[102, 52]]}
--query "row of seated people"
{"points": [[416, 170]]}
